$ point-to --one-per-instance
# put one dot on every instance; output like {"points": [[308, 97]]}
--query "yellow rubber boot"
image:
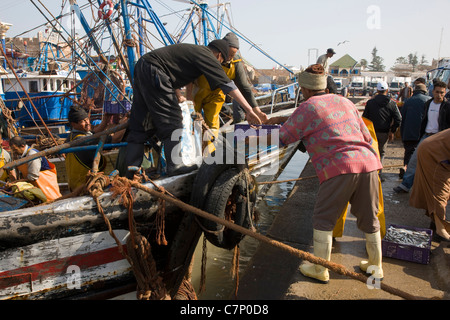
{"points": [[373, 265], [322, 249]]}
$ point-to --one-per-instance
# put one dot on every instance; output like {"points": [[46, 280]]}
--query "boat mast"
{"points": [[205, 12], [3, 28], [75, 8], [128, 38]]}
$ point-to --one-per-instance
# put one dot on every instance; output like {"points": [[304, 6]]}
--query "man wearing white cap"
{"points": [[384, 114]]}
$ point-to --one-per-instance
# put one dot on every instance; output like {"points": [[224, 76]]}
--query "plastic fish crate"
{"points": [[245, 127], [407, 252], [114, 107]]}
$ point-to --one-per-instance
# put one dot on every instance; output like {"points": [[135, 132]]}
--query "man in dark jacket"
{"points": [[158, 76], [412, 114], [436, 118], [384, 114]]}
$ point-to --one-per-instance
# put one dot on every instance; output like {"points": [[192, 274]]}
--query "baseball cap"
{"points": [[382, 86], [330, 50]]}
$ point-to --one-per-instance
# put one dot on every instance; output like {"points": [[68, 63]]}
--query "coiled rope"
{"points": [[150, 285]]}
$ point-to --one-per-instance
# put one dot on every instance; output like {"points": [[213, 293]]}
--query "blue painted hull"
{"points": [[51, 109]]}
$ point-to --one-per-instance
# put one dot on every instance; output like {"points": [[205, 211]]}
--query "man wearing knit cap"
{"points": [[159, 74], [210, 102], [339, 145], [79, 163], [241, 80]]}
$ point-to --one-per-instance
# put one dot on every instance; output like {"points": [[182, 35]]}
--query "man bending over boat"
{"points": [[347, 165], [211, 101], [158, 76], [79, 163], [39, 172]]}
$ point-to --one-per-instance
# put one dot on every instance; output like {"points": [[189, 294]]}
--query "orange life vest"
{"points": [[47, 181]]}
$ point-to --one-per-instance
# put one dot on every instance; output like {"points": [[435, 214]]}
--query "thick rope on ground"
{"points": [[235, 268], [340, 269]]}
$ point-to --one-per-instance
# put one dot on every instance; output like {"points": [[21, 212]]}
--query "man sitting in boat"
{"points": [[39, 172], [5, 157], [79, 163]]}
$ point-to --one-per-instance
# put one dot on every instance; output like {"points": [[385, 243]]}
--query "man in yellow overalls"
{"points": [[211, 102]]}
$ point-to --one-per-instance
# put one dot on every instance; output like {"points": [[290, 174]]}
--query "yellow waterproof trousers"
{"points": [[211, 102], [339, 227]]}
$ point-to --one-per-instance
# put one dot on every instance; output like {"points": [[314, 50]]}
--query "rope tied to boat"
{"points": [[129, 43], [146, 276], [138, 253], [150, 284], [235, 268], [340, 269], [96, 183], [160, 214]]}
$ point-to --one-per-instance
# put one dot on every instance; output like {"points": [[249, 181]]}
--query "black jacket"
{"points": [[412, 115], [384, 114], [444, 116]]}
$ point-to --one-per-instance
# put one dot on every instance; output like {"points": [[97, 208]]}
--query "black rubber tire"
{"points": [[231, 185], [189, 231], [205, 179]]}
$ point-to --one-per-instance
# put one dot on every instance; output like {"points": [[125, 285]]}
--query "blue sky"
{"points": [[290, 29]]}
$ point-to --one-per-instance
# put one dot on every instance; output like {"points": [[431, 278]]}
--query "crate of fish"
{"points": [[407, 243], [243, 130], [117, 107]]}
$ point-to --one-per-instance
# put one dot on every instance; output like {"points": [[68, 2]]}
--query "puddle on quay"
{"points": [[219, 284]]}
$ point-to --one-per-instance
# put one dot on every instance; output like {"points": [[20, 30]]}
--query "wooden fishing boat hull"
{"points": [[80, 215], [72, 233], [64, 267]]}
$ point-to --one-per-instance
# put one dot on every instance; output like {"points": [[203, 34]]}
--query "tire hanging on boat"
{"points": [[189, 231], [232, 197]]}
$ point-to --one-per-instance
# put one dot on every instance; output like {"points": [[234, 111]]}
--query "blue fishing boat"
{"points": [[48, 92], [69, 249]]}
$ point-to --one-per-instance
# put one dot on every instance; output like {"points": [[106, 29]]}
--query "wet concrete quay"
{"points": [[273, 274]]}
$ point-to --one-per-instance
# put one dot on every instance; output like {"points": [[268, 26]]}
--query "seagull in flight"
{"points": [[342, 42]]}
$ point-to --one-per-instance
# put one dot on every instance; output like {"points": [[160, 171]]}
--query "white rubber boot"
{"points": [[373, 265], [322, 249]]}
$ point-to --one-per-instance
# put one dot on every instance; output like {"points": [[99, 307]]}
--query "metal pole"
{"points": [[88, 30], [140, 30], [128, 36], [57, 148]]}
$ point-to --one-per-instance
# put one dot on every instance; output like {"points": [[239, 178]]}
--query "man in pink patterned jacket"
{"points": [[339, 145]]}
